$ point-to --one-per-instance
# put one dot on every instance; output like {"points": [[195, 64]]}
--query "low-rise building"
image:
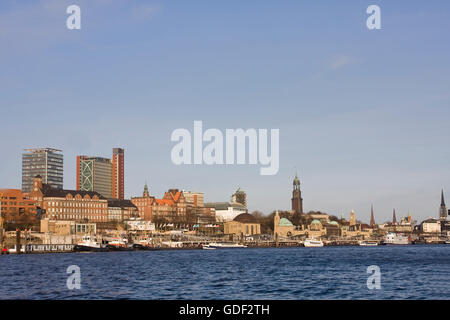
{"points": [[63, 228], [431, 226], [60, 204], [243, 224], [120, 210], [225, 211]]}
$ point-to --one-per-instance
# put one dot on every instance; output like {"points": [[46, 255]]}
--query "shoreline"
{"points": [[200, 248]]}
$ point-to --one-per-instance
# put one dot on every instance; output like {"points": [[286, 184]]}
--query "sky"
{"points": [[363, 114]]}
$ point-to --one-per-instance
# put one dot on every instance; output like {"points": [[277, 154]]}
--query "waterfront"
{"points": [[407, 272]]}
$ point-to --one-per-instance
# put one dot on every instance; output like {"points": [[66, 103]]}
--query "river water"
{"points": [[406, 272]]}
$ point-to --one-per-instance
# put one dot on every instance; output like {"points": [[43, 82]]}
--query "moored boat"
{"points": [[311, 243], [88, 243], [367, 243], [225, 245]]}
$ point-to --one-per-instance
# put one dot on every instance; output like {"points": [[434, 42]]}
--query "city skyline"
{"points": [[362, 115], [297, 186]]}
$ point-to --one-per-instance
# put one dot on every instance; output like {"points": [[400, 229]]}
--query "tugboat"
{"points": [[117, 244], [311, 243], [88, 243]]}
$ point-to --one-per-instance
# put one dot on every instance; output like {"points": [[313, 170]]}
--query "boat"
{"points": [[88, 243], [225, 245], [118, 244], [368, 243], [396, 239], [313, 243], [447, 242], [207, 247]]}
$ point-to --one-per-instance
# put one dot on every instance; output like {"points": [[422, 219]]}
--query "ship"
{"points": [[214, 245], [367, 243], [310, 243], [396, 239], [88, 243]]}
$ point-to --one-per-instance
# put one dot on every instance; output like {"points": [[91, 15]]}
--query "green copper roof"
{"points": [[285, 223], [315, 221]]}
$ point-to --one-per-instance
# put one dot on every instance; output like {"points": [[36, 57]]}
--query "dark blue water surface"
{"points": [[407, 272]]}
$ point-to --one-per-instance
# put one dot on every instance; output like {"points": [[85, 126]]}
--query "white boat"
{"points": [[88, 243], [368, 243], [396, 239], [310, 243], [447, 241], [225, 245], [207, 247]]}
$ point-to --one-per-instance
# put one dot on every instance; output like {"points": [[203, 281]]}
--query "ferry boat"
{"points": [[312, 243], [396, 239], [368, 243], [224, 245], [88, 243]]}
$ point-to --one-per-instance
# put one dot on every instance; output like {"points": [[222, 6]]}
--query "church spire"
{"points": [[442, 198], [394, 218], [146, 193], [372, 218]]}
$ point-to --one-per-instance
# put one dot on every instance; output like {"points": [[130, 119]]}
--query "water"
{"points": [[407, 272]]}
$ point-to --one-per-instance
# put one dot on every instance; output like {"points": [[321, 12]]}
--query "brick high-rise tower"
{"points": [[297, 201], [118, 174]]}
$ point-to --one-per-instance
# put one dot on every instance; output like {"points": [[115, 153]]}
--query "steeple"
{"points": [[372, 218], [146, 193], [394, 218], [443, 209]]}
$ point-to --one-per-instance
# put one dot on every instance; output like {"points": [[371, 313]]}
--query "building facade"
{"points": [[45, 162], [15, 206], [244, 224], [121, 210], [73, 205], [118, 173], [95, 174], [225, 211], [171, 207]]}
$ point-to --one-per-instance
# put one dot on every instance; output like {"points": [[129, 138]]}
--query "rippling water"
{"points": [[407, 272]]}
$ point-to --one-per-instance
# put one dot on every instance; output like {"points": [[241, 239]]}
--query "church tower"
{"points": [[297, 201], [442, 209]]}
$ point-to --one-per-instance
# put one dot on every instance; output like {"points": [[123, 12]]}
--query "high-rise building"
{"points": [[45, 162], [94, 174], [297, 201], [118, 164]]}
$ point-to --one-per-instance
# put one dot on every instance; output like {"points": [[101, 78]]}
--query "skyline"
{"points": [[362, 114], [345, 215]]}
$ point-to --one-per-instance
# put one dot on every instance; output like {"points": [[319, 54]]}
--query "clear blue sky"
{"points": [[363, 115]]}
